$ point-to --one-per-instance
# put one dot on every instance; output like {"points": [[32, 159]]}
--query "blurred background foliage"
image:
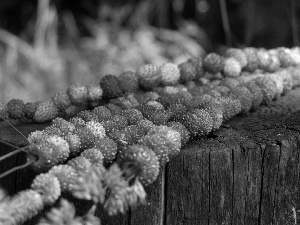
{"points": [[45, 45]]}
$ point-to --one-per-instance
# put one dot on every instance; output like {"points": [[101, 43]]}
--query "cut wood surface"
{"points": [[247, 172]]}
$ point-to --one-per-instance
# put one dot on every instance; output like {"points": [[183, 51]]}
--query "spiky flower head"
{"points": [[184, 133], [50, 151], [74, 143], [67, 176], [169, 73], [102, 113], [274, 62], [48, 186], [287, 80], [238, 54], [129, 81], [213, 63], [30, 109], [15, 108], [215, 110], [223, 90], [23, 206], [120, 121], [252, 60], [36, 136], [61, 100], [90, 185], [149, 76], [122, 102], [46, 111], [232, 67], [65, 214], [135, 132], [131, 98], [111, 86]]}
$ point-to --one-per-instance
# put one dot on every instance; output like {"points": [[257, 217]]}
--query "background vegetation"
{"points": [[46, 45]]}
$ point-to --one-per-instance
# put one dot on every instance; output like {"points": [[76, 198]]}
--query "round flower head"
{"points": [[149, 76], [61, 100], [78, 94], [74, 143], [238, 54], [231, 107], [78, 122], [122, 102], [232, 68], [30, 109], [187, 71], [213, 63], [48, 186], [184, 133], [134, 102], [46, 111], [94, 155], [264, 59], [102, 113], [256, 92], [120, 121], [96, 128], [278, 81], [87, 116], [15, 108], [133, 116], [198, 65], [230, 82], [111, 86], [3, 111], [66, 175], [252, 60], [107, 147], [245, 97], [223, 90], [157, 105], [294, 73], [95, 93], [142, 160], [287, 80], [268, 87], [285, 57], [129, 81], [215, 110], [135, 132], [114, 109], [169, 73], [199, 122], [274, 62], [51, 150], [63, 125], [145, 125]]}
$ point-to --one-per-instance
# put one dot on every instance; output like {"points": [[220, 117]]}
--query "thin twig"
{"points": [[225, 22], [16, 168], [14, 128]]}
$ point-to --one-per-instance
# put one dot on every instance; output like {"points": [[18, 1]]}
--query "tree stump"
{"points": [[247, 172]]}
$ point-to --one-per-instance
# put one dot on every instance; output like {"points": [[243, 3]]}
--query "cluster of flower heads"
{"points": [[124, 145], [232, 64]]}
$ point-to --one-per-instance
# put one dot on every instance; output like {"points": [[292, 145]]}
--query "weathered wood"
{"points": [[247, 172]]}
